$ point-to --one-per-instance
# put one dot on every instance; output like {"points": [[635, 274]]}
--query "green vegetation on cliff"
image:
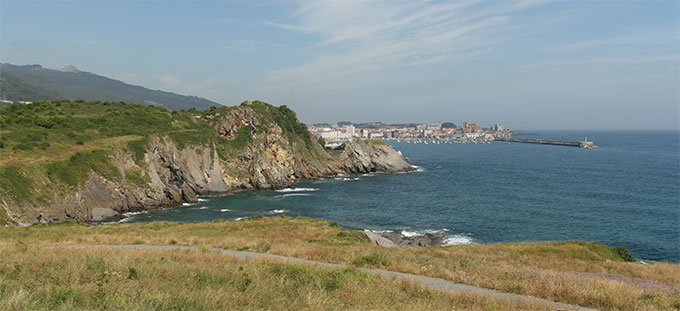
{"points": [[285, 118], [50, 147]]}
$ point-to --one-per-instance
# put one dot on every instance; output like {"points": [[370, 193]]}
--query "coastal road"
{"points": [[428, 282]]}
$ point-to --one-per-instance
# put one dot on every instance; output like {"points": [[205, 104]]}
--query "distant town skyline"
{"points": [[529, 64]]}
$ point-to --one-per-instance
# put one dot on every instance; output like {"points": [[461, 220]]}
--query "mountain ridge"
{"points": [[35, 83]]}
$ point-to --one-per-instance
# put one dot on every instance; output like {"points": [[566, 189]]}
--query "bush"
{"points": [[623, 253], [372, 260]]}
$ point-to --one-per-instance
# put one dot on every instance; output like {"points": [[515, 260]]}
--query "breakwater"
{"points": [[582, 144]]}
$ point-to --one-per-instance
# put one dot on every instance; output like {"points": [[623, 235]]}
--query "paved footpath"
{"points": [[432, 283]]}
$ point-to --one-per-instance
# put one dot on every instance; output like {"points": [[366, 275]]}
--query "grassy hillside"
{"points": [[32, 83], [587, 274], [50, 147], [96, 279]]}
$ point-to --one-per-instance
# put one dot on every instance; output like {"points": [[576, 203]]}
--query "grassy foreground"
{"points": [[34, 276]]}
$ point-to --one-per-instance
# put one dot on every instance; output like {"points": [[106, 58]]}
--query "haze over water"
{"points": [[625, 193]]}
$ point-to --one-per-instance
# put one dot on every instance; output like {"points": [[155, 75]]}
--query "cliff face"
{"points": [[253, 151]]}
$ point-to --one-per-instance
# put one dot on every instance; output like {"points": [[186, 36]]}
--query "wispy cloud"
{"points": [[358, 35], [169, 79], [640, 38], [603, 64]]}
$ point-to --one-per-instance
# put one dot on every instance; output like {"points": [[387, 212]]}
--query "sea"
{"points": [[625, 193]]}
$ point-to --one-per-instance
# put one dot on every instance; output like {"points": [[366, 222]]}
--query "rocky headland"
{"points": [[254, 145]]}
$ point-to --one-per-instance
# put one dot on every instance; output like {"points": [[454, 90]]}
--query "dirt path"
{"points": [[432, 283]]}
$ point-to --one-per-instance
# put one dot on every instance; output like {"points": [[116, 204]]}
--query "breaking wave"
{"points": [[297, 189], [293, 195]]}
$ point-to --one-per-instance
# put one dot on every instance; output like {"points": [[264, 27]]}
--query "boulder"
{"points": [[105, 215]]}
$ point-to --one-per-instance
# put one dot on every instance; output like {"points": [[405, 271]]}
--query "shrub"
{"points": [[623, 253], [132, 273], [372, 260]]}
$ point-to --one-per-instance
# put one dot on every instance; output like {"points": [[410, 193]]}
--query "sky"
{"points": [[529, 64]]}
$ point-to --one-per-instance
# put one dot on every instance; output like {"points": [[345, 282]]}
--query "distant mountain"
{"points": [[33, 83]]}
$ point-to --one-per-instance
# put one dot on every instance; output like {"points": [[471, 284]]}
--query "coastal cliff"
{"points": [[171, 159]]}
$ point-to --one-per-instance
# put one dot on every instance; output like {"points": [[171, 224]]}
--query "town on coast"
{"points": [[336, 134]]}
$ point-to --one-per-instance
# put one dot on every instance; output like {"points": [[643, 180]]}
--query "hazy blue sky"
{"points": [[529, 64]]}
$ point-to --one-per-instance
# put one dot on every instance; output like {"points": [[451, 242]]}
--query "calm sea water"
{"points": [[627, 193]]}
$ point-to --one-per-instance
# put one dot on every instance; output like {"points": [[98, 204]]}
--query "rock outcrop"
{"points": [[392, 239]]}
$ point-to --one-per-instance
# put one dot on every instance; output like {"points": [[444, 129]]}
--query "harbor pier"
{"points": [[582, 144]]}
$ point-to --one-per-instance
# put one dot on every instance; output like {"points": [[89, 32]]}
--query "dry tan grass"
{"points": [[571, 272], [97, 279]]}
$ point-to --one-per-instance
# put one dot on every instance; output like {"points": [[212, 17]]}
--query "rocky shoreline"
{"points": [[393, 239]]}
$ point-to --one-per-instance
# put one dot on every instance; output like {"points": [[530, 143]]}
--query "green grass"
{"points": [[229, 148], [75, 170], [135, 177], [374, 260], [138, 148], [377, 141], [15, 182], [29, 128]]}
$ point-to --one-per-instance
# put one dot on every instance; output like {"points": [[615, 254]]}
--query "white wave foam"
{"points": [[436, 231], [418, 168], [458, 239], [410, 233], [134, 213], [202, 200], [187, 204], [238, 218], [278, 211], [346, 178], [202, 207], [297, 189], [293, 195], [225, 210], [378, 231], [124, 220]]}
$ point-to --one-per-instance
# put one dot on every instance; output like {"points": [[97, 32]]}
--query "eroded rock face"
{"points": [[362, 156], [175, 175]]}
